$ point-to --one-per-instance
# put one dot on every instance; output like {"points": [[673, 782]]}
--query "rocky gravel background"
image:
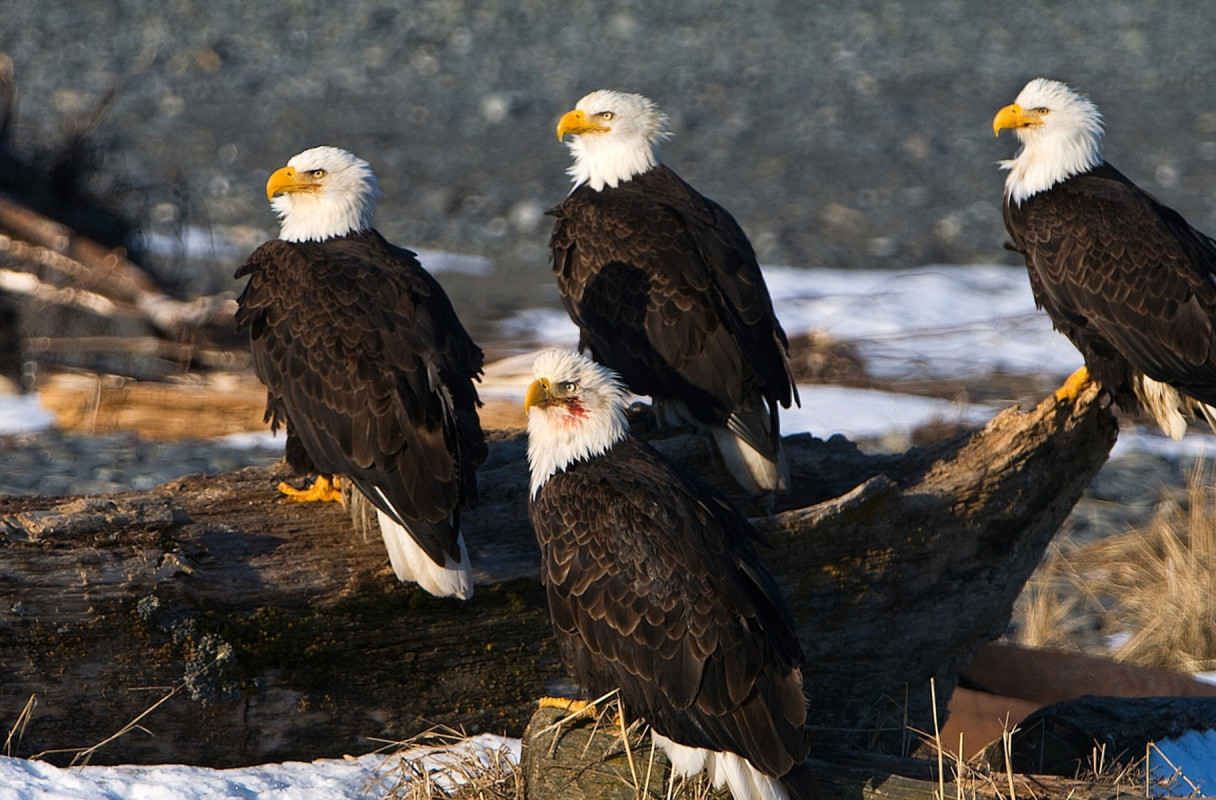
{"points": [[839, 133]]}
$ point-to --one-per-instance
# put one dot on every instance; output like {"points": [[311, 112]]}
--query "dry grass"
{"points": [[1053, 609], [968, 779], [1134, 774], [1143, 597], [16, 733], [1151, 588], [444, 764], [963, 779]]}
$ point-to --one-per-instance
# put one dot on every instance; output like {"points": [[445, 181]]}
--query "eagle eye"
{"points": [[1042, 111], [567, 387], [606, 116], [317, 173]]}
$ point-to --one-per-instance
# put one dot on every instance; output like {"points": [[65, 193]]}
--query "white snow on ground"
{"points": [[330, 778], [948, 321], [256, 439], [937, 321], [369, 776], [437, 261], [1198, 442], [871, 414], [544, 327], [23, 414]]}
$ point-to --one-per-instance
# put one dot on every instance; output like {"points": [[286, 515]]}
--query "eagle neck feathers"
{"points": [[1069, 144], [599, 162], [556, 442]]}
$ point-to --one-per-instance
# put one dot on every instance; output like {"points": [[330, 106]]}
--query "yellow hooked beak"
{"points": [[1014, 116], [287, 179], [538, 394], [576, 122]]}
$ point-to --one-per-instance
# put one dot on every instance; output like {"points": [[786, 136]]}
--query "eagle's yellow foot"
{"points": [[1073, 386], [575, 708], [322, 490], [572, 707]]}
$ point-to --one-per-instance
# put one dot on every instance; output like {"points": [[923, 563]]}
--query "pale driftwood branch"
{"points": [[47, 262], [86, 263], [99, 281], [104, 602], [176, 333]]}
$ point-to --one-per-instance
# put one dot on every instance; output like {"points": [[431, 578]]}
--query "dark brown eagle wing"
{"points": [[361, 349], [665, 289], [655, 588], [1115, 268]]}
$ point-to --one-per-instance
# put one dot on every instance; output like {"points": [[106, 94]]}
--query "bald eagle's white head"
{"points": [[322, 193], [614, 137], [576, 411], [1060, 132]]}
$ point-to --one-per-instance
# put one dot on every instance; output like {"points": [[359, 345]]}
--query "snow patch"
{"points": [[23, 413], [369, 776]]}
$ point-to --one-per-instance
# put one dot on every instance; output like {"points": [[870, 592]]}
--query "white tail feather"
{"points": [[411, 563], [1164, 403], [755, 472], [744, 781]]}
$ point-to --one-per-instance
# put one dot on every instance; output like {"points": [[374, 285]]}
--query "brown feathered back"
{"points": [[655, 588], [365, 360], [665, 289], [1125, 278]]}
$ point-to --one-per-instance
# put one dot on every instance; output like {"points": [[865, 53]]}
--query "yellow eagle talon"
{"points": [[1073, 386], [322, 490], [565, 704]]}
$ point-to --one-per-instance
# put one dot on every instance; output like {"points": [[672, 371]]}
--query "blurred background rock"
{"points": [[839, 134]]}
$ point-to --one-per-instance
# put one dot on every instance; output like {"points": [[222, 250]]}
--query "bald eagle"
{"points": [[366, 362], [1121, 275], [665, 289], [655, 588]]}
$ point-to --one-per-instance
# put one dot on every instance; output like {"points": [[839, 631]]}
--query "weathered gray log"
{"points": [[289, 637], [919, 567]]}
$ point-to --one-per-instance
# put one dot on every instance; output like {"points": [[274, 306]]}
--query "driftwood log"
{"points": [[277, 633]]}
